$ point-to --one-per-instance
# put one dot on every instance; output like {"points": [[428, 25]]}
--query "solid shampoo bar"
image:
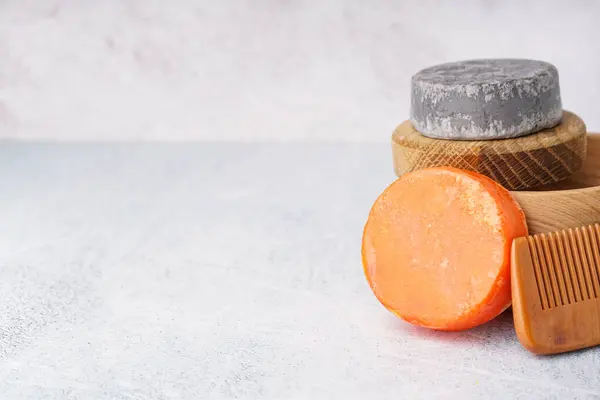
{"points": [[485, 99]]}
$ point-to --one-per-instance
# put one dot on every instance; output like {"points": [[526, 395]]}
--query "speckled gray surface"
{"points": [[224, 272], [485, 99]]}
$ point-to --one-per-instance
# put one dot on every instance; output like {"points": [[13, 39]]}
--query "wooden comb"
{"points": [[555, 280]]}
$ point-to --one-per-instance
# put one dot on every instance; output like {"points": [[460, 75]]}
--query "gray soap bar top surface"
{"points": [[485, 99]]}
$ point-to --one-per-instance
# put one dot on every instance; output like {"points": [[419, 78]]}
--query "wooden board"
{"points": [[548, 156]]}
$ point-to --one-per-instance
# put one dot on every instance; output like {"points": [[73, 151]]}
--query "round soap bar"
{"points": [[545, 157], [436, 248], [485, 99]]}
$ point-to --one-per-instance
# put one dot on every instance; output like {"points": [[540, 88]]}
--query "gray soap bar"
{"points": [[485, 99]]}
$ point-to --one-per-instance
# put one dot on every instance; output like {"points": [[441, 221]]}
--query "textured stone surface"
{"points": [[224, 271], [485, 99]]}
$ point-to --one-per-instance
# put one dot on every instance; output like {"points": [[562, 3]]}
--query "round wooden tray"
{"points": [[545, 157], [568, 204]]}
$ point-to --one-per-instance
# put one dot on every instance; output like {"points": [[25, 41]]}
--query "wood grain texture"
{"points": [[543, 158], [571, 203], [556, 290]]}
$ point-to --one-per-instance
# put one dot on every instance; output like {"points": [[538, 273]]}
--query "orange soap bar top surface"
{"points": [[436, 248]]}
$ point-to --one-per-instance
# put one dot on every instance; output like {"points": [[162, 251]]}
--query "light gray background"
{"points": [[232, 270], [264, 69]]}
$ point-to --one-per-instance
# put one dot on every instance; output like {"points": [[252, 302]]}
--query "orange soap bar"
{"points": [[436, 248]]}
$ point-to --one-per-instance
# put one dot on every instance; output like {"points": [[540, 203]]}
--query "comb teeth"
{"points": [[566, 265]]}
